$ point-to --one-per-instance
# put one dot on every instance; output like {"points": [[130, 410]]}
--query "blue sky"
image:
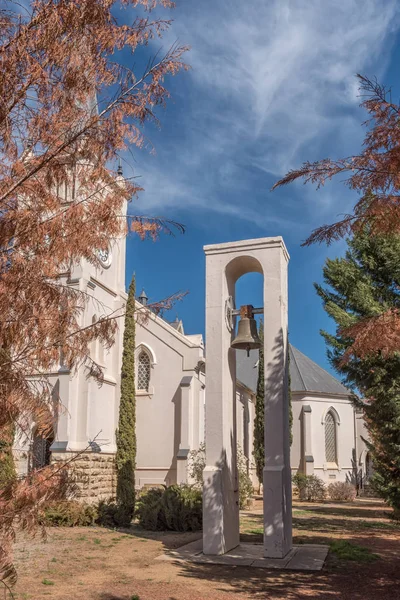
{"points": [[272, 84]]}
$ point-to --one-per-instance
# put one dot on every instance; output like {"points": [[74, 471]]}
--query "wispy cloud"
{"points": [[272, 84]]}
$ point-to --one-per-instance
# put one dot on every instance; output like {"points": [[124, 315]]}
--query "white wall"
{"points": [[163, 428], [245, 413], [345, 428]]}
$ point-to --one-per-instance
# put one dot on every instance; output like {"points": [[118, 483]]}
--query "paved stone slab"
{"points": [[305, 557], [274, 563], [224, 559], [309, 557]]}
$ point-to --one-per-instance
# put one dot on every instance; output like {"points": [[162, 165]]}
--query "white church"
{"points": [[171, 386]]}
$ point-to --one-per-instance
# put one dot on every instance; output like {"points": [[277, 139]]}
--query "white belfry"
{"points": [[225, 264]]}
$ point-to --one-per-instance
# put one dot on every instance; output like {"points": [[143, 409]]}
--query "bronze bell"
{"points": [[247, 335]]}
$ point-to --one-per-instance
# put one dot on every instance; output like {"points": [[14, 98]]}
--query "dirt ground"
{"points": [[98, 564]]}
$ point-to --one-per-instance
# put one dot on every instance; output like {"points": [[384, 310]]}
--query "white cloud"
{"points": [[272, 84]]}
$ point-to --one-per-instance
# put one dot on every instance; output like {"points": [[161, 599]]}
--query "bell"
{"points": [[247, 336]]}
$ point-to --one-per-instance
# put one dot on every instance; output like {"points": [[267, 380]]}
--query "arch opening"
{"points": [[40, 449]]}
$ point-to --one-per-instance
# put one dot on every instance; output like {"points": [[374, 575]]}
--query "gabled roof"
{"points": [[192, 341], [305, 374], [247, 368]]}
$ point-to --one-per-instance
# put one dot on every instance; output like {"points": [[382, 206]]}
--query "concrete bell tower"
{"points": [[225, 264]]}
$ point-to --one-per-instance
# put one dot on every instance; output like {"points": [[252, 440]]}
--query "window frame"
{"points": [[336, 422], [144, 348]]}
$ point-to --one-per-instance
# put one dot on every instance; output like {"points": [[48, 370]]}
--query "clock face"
{"points": [[105, 257]]}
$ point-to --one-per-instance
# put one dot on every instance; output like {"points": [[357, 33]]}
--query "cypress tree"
{"points": [[363, 284], [258, 441], [290, 397], [7, 466], [126, 435]]}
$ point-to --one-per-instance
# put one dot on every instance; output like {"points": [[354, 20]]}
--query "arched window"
{"points": [[40, 452], [143, 371], [330, 438]]}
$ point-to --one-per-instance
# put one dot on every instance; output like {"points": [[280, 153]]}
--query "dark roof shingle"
{"points": [[305, 374]]}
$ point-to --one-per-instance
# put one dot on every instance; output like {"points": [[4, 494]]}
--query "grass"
{"points": [[97, 541], [305, 512], [135, 597], [347, 551], [257, 531], [47, 581], [378, 525]]}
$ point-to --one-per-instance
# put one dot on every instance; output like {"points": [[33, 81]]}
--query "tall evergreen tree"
{"points": [[258, 437], [364, 284], [126, 435], [7, 466], [290, 397], [258, 441]]}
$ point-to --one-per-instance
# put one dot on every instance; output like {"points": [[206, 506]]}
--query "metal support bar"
{"points": [[256, 311]]}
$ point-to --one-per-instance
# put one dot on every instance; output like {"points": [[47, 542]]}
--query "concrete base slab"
{"points": [[305, 557]]}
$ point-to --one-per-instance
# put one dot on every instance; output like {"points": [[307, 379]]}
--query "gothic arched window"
{"points": [[143, 371], [330, 438], [40, 450]]}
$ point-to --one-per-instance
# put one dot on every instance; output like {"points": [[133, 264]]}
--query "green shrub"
{"points": [[149, 509], [197, 463], [107, 513], [112, 514], [340, 491], [310, 487], [299, 481], [68, 513], [245, 484], [174, 508]]}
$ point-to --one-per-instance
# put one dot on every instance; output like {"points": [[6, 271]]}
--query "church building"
{"points": [[171, 383]]}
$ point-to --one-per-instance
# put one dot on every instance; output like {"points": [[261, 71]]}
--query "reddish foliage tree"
{"points": [[375, 175], [59, 201]]}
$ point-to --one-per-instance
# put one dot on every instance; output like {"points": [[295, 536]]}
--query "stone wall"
{"points": [[92, 474]]}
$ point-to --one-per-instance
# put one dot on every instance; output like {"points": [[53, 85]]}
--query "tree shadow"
{"points": [[110, 596], [169, 539], [356, 511], [354, 582]]}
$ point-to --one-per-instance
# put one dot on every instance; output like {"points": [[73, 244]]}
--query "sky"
{"points": [[271, 85]]}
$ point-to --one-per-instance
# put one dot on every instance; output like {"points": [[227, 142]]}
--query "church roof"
{"points": [[305, 374], [246, 368]]}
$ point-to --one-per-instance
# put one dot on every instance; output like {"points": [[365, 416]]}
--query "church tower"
{"points": [[89, 418]]}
